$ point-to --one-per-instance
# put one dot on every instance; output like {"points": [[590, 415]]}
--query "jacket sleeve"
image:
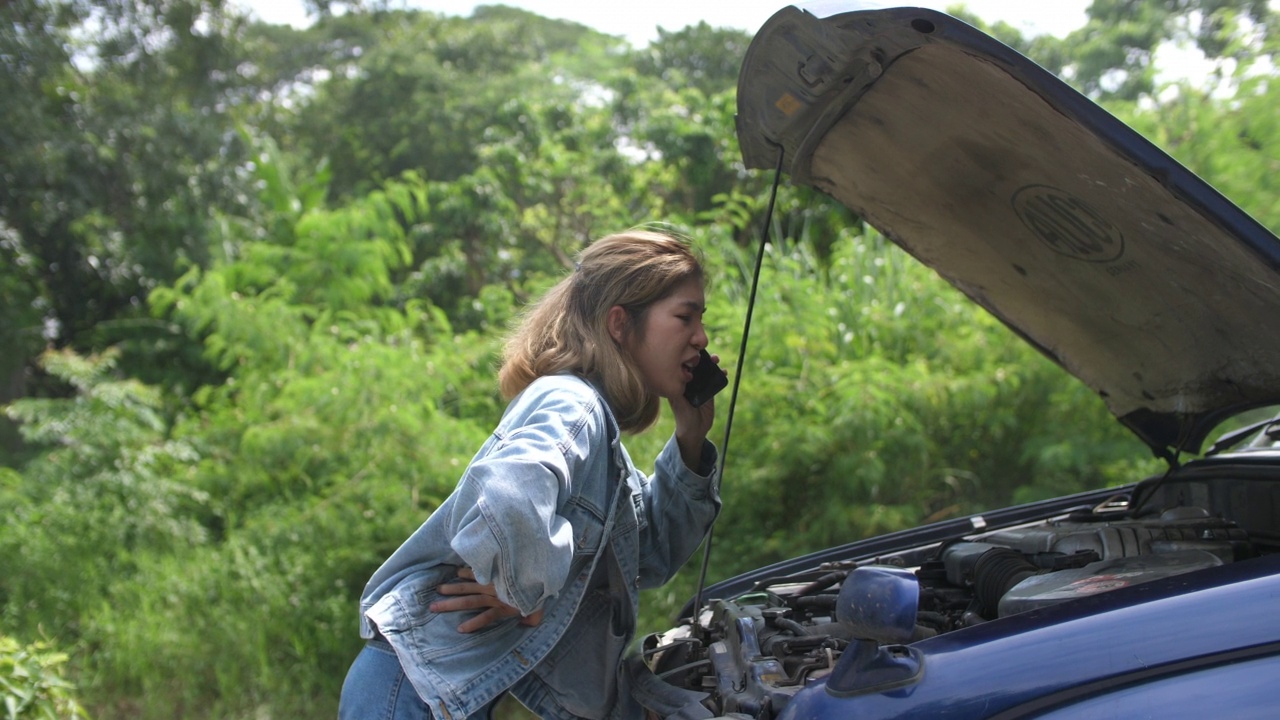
{"points": [[505, 524], [680, 506]]}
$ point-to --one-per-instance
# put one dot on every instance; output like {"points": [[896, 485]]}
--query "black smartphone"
{"points": [[708, 379]]}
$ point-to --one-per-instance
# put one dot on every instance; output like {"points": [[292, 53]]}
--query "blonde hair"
{"points": [[566, 330]]}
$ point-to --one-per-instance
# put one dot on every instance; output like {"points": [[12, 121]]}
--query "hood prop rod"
{"points": [[737, 374]]}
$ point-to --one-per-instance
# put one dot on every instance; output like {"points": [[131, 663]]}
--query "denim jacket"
{"points": [[549, 508]]}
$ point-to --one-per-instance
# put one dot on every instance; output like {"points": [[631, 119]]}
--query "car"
{"points": [[1154, 599]]}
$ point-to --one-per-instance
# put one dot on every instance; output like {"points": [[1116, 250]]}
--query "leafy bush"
{"points": [[32, 685]]}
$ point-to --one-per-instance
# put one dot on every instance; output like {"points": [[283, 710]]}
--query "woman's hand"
{"points": [[692, 425], [474, 596]]}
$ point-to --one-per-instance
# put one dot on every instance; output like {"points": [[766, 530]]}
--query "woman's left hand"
{"points": [[474, 596], [692, 425]]}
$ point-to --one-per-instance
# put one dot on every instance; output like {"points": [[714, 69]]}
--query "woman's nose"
{"points": [[700, 339]]}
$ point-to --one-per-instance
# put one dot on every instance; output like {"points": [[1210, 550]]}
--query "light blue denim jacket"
{"points": [[541, 514]]}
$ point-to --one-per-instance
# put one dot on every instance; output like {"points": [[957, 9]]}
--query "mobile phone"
{"points": [[708, 379]]}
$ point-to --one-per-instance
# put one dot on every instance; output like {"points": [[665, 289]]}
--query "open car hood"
{"points": [[1091, 243]]}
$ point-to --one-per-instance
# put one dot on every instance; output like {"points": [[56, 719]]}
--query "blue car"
{"points": [[1157, 599]]}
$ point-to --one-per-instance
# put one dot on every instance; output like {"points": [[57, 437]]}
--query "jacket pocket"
{"points": [[587, 522]]}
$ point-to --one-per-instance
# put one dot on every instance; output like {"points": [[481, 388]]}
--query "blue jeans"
{"points": [[376, 688]]}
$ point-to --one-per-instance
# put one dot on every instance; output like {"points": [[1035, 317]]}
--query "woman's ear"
{"points": [[617, 321]]}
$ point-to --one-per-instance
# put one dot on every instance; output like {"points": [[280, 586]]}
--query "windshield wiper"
{"points": [[1232, 438]]}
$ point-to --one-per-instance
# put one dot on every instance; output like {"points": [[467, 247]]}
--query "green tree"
{"points": [[540, 194], [115, 151], [1113, 56], [430, 89], [698, 56]]}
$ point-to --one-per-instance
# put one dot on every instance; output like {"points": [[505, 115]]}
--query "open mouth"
{"points": [[688, 367]]}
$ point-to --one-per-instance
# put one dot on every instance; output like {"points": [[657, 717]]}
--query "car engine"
{"points": [[752, 653]]}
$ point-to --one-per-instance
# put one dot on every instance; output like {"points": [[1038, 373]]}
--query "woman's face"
{"points": [[665, 350]]}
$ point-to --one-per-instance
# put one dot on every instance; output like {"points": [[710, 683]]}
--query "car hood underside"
{"points": [[1091, 243]]}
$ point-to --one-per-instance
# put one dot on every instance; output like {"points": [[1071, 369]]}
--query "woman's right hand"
{"points": [[474, 596], [692, 425]]}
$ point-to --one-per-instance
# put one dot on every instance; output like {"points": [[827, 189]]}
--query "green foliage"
{"points": [[112, 157], [432, 88], [1113, 57], [339, 426], [539, 196], [108, 487], [701, 57], [32, 685]]}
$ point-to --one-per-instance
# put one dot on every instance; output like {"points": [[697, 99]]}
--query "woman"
{"points": [[526, 578]]}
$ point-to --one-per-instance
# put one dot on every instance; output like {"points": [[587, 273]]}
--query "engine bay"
{"points": [[750, 654]]}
